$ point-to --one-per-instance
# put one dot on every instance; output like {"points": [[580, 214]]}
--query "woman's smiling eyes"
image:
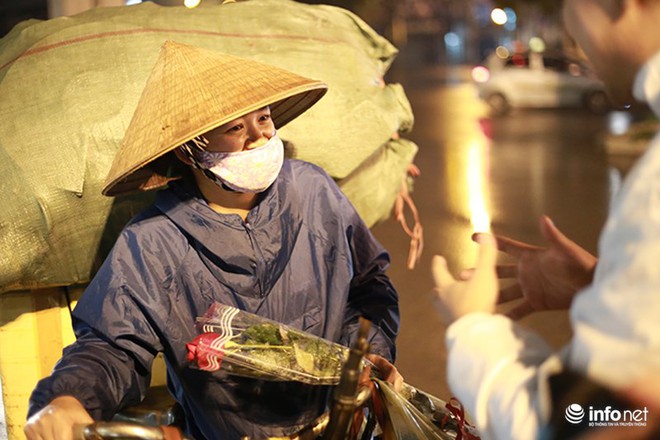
{"points": [[238, 127], [234, 128]]}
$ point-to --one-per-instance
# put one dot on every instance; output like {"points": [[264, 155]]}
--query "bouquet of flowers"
{"points": [[248, 345]]}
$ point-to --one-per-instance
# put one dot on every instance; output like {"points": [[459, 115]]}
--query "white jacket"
{"points": [[498, 370]]}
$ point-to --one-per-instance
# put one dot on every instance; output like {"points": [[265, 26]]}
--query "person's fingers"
{"points": [[520, 311], [38, 430], [394, 377], [466, 274], [41, 430], [506, 270], [487, 251], [475, 236], [413, 170], [365, 376], [441, 274], [31, 433], [60, 433], [79, 430], [398, 382], [386, 370], [502, 271], [550, 231], [507, 245], [64, 431], [510, 293]]}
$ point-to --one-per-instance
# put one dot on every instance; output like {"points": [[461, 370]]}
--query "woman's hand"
{"points": [[546, 277], [56, 421], [386, 371]]}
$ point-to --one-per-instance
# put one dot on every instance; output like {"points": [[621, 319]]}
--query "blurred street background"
{"points": [[480, 169]]}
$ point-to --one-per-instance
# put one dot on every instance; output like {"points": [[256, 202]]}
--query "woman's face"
{"points": [[249, 131]]}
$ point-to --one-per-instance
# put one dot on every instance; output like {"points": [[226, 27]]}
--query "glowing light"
{"points": [[466, 165], [133, 2], [477, 186], [510, 15], [619, 122], [480, 74], [536, 44], [502, 52], [452, 39], [498, 16], [191, 3]]}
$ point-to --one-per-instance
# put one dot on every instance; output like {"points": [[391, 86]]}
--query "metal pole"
{"points": [[344, 397]]}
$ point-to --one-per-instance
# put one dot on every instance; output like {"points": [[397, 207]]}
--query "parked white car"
{"points": [[539, 80]]}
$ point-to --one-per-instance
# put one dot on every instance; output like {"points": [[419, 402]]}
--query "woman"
{"points": [[239, 225]]}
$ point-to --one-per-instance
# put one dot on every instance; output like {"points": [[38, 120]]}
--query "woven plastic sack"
{"points": [[387, 166], [69, 87]]}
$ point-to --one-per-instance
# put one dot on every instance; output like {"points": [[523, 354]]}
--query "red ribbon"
{"points": [[462, 427], [205, 352]]}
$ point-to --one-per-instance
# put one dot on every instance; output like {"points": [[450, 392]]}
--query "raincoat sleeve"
{"points": [[371, 294], [101, 376], [108, 366]]}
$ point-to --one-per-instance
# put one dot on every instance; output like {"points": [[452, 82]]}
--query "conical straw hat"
{"points": [[191, 91]]}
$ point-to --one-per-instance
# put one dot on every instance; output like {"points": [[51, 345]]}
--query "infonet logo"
{"points": [[607, 416], [574, 413]]}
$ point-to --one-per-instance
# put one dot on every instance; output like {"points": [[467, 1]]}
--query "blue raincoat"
{"points": [[303, 257]]}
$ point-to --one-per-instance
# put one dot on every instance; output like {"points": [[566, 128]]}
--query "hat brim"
{"points": [[191, 91], [143, 178]]}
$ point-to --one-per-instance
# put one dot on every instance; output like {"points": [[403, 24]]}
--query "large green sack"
{"points": [[68, 88], [375, 183]]}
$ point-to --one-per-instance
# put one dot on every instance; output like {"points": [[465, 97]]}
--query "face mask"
{"points": [[248, 171]]}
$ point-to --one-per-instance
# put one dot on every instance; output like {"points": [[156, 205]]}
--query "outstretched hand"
{"points": [[546, 277], [476, 294]]}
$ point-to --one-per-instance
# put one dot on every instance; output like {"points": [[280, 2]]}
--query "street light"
{"points": [[536, 44], [498, 16], [511, 19]]}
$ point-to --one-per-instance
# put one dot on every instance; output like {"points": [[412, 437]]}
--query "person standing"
{"points": [[498, 369]]}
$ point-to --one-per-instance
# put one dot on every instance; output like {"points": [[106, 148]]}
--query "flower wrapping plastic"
{"points": [[245, 344]]}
